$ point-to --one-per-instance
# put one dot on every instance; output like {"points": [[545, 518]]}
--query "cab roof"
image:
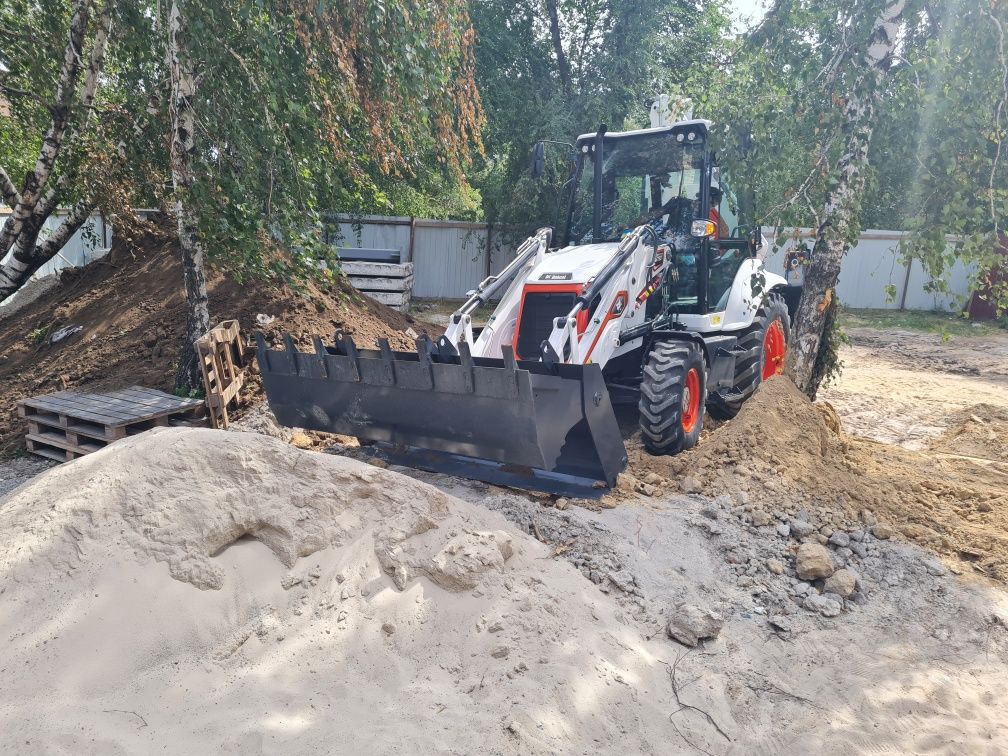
{"points": [[699, 124]]}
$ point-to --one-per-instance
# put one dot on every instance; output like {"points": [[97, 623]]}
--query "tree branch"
{"points": [[563, 65], [75, 218], [8, 191], [69, 75]]}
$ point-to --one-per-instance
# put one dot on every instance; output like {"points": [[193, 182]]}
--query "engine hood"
{"points": [[571, 265]]}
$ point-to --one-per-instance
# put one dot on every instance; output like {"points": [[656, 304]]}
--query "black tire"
{"points": [[749, 365], [672, 397]]}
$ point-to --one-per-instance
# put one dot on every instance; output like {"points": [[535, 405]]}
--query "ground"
{"points": [[913, 661]]}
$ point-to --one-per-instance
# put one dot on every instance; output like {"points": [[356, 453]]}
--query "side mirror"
{"points": [[538, 159]]}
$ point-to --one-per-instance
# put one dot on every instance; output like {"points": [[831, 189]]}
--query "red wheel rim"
{"points": [[774, 348], [691, 400]]}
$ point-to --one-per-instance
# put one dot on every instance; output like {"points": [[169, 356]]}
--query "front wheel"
{"points": [[763, 347], [673, 395]]}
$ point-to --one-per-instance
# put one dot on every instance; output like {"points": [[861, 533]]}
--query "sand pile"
{"points": [[194, 591], [785, 454]]}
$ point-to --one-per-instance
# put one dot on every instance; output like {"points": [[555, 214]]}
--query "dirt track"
{"points": [[904, 387]]}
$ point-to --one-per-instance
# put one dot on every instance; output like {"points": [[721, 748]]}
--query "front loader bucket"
{"points": [[525, 424]]}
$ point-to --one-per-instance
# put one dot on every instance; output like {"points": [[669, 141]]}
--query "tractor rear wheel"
{"points": [[765, 345], [672, 397]]}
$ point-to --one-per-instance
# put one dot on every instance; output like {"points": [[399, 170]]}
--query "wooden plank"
{"points": [[367, 285], [168, 401], [69, 408], [163, 394], [43, 450], [377, 269], [54, 439], [114, 411]]}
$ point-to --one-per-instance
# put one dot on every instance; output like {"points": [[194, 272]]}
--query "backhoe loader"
{"points": [[647, 297]]}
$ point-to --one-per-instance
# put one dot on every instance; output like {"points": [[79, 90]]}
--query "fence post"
{"points": [[488, 267], [412, 238]]}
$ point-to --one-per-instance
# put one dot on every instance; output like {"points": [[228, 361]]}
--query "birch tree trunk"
{"points": [[838, 230], [183, 87], [38, 198]]}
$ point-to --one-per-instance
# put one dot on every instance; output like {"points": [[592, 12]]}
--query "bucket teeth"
{"points": [[554, 419]]}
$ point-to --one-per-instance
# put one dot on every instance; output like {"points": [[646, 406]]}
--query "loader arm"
{"points": [[460, 326], [563, 344]]}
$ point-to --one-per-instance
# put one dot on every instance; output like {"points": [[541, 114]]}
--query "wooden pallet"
{"points": [[221, 353], [69, 424]]}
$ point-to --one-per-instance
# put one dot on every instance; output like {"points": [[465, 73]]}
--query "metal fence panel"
{"points": [[451, 257]]}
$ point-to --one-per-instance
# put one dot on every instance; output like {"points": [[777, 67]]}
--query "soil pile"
{"points": [[980, 431], [782, 453], [196, 590], [131, 311]]}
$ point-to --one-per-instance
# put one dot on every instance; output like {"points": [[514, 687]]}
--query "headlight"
{"points": [[702, 228]]}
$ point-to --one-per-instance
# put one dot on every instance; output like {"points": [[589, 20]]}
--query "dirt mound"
{"points": [[310, 591], [980, 431], [785, 454], [131, 310]]}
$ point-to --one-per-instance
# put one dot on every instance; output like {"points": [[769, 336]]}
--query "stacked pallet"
{"points": [[379, 274], [69, 424]]}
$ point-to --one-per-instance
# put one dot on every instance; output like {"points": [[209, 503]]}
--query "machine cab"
{"points": [[665, 178]]}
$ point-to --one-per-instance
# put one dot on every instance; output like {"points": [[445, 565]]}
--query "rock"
{"points": [[776, 566], [934, 566], [388, 628], [867, 517], [781, 623], [859, 549], [495, 626], [652, 479], [689, 484], [814, 561], [742, 497], [841, 582], [783, 529], [827, 605], [627, 483], [690, 624], [500, 652], [882, 531], [710, 511], [760, 518], [301, 440], [839, 539], [647, 489], [800, 528], [561, 503], [377, 462]]}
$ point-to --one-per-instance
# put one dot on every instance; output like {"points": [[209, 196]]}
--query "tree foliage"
{"points": [[552, 69], [299, 108]]}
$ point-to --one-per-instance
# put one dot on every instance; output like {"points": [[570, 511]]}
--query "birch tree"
{"points": [[44, 186], [838, 228], [183, 88]]}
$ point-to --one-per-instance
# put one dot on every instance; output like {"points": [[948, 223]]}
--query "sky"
{"points": [[752, 10]]}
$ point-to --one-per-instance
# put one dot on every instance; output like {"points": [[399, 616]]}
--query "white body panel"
{"points": [[571, 268]]}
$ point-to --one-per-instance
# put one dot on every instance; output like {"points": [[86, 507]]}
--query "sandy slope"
{"points": [[411, 621]]}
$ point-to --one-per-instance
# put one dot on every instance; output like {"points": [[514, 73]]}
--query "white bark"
{"points": [[65, 91], [836, 231], [8, 192], [36, 202], [183, 88]]}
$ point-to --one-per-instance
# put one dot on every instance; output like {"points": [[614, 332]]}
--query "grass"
{"points": [[947, 324]]}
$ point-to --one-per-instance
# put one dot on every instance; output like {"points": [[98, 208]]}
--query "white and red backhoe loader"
{"points": [[650, 297]]}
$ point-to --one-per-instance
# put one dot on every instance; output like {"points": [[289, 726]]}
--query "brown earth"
{"points": [[784, 453], [132, 311]]}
